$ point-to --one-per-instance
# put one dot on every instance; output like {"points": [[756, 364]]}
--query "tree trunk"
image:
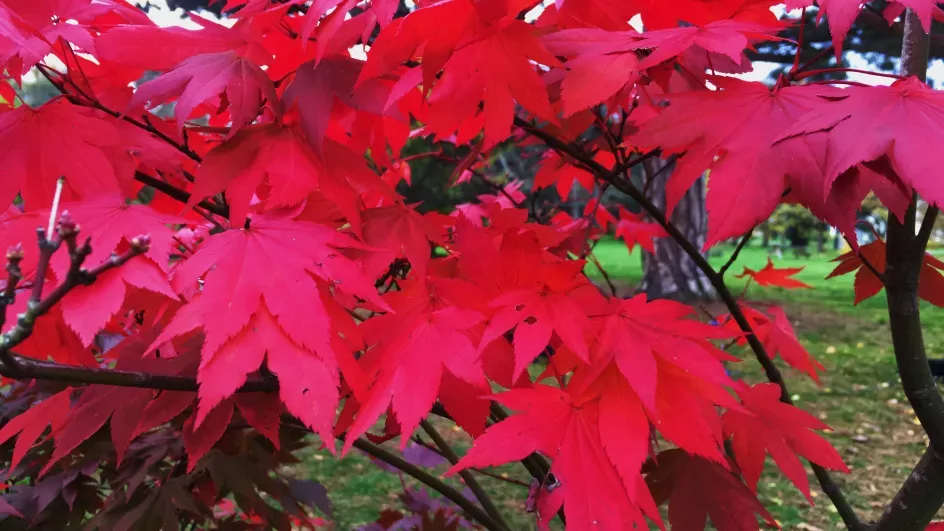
{"points": [[670, 273]]}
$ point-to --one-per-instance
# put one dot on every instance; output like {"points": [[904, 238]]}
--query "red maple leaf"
{"points": [[541, 303], [277, 165], [256, 279], [33, 141], [204, 77], [774, 276], [635, 333], [697, 490], [774, 330], [730, 132], [394, 231], [768, 426], [97, 405], [31, 29], [867, 285], [154, 48], [605, 62], [317, 88], [634, 230], [493, 41], [200, 434], [416, 351], [29, 425], [907, 146], [568, 429], [658, 15], [562, 174]]}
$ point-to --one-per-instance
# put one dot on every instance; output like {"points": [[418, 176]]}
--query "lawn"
{"points": [[859, 397]]}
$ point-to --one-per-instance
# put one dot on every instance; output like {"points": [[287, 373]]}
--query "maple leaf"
{"points": [[634, 231], [151, 47], [86, 309], [276, 165], [33, 140], [908, 146], [774, 330], [316, 88], [97, 405], [30, 424], [606, 62], [556, 171], [730, 132], [503, 46], [567, 429], [199, 437], [774, 276], [414, 348], [697, 490], [842, 14], [29, 30], [262, 411], [255, 280], [110, 224], [541, 304], [783, 431], [635, 333], [394, 231], [867, 285], [202, 77]]}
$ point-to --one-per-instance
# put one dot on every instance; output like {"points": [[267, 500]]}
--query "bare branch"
{"points": [[466, 475], [473, 511], [737, 251]]}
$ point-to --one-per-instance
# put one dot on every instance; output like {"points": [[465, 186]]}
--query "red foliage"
{"points": [[285, 275]]}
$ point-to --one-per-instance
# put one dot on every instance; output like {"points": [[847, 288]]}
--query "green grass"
{"points": [[859, 396]]}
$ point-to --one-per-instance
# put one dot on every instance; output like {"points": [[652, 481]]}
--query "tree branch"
{"points": [[27, 368], [178, 194], [472, 511], [922, 494], [466, 475], [737, 251], [717, 281]]}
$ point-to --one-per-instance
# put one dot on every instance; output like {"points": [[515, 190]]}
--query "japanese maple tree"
{"points": [[235, 277]]}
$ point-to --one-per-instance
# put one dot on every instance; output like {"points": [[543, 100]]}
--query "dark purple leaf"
{"points": [[7, 508], [419, 455], [311, 493]]}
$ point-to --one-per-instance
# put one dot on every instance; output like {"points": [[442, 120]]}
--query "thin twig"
{"points": [[737, 251], [473, 511], [466, 475]]}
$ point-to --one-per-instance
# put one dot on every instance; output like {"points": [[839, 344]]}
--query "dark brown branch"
{"points": [[466, 475], [472, 511], [76, 276], [28, 368], [919, 497], [178, 194], [737, 251], [922, 494], [773, 374]]}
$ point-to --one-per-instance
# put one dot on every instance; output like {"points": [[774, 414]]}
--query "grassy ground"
{"points": [[860, 397]]}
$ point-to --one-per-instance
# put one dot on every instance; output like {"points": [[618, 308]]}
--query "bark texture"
{"points": [[670, 273]]}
